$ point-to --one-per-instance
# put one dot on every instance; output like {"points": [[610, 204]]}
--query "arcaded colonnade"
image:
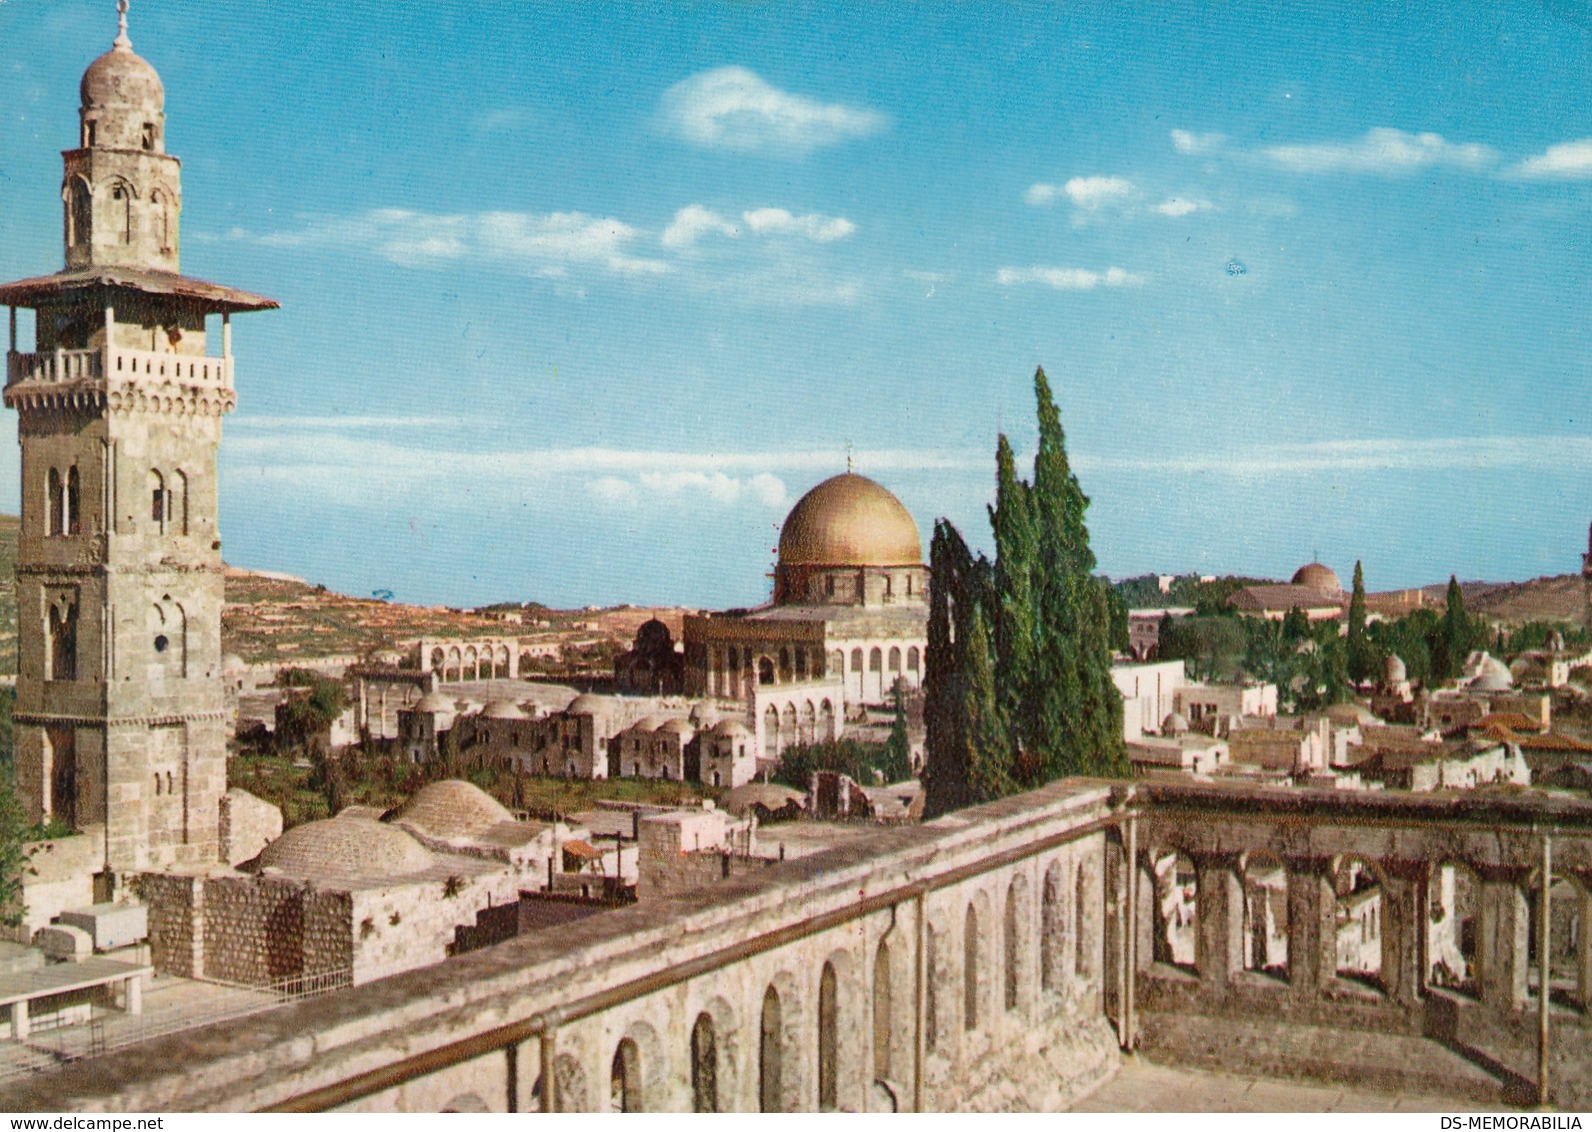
{"points": [[981, 961]]}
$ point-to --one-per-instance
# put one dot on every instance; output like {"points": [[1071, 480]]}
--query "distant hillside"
{"points": [[1560, 597]]}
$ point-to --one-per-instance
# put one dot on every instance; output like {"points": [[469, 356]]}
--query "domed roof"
{"points": [[503, 709], [1394, 671], [649, 723], [451, 808], [121, 78], [654, 636], [586, 704], [727, 727], [435, 702], [345, 846], [1174, 724], [678, 727], [1351, 715], [1318, 577], [848, 520], [1493, 676]]}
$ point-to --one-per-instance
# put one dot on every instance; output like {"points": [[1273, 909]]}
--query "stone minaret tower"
{"points": [[120, 728], [1586, 582]]}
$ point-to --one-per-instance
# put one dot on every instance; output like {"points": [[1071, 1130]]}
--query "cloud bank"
{"points": [[734, 108]]}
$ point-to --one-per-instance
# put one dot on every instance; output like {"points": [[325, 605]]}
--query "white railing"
{"points": [[111, 1029], [55, 366]]}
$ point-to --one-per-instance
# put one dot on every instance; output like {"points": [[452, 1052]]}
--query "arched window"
{"points": [[55, 502], [912, 659], [809, 723], [881, 1013], [770, 1057], [895, 660], [771, 732], [160, 209], [62, 636], [828, 1040], [856, 660], [625, 1078], [787, 724], [765, 670], [837, 663], [970, 971], [79, 212], [876, 660], [74, 518], [1265, 882], [159, 504], [704, 1065], [1052, 929], [122, 212], [1359, 907]]}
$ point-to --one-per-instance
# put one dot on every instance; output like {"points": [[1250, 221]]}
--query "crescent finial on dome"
{"points": [[121, 42]]}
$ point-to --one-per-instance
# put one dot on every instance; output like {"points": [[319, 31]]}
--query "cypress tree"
{"points": [[945, 769], [1361, 662], [1013, 626], [1079, 708], [1457, 634]]}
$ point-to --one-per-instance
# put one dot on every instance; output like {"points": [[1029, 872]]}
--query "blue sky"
{"points": [[578, 299]]}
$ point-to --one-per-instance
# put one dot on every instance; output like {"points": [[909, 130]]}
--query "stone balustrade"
{"points": [[53, 367]]}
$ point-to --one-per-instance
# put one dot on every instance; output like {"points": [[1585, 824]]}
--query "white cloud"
{"points": [[538, 243], [614, 492], [1191, 143], [1570, 160], [1088, 193], [734, 108], [1181, 206], [694, 221], [1382, 150], [1557, 453], [1068, 278], [813, 226]]}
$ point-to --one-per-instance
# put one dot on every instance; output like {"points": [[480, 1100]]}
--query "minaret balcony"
{"points": [[116, 367]]}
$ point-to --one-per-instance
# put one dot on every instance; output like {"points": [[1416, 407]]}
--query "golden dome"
{"points": [[849, 520]]}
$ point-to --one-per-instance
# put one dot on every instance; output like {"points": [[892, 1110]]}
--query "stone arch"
{"points": [[826, 720], [779, 1076], [645, 1069], [55, 502], [159, 502], [715, 1041], [840, 1032], [1087, 941], [1053, 928], [1358, 886], [912, 659], [837, 664], [935, 976], [893, 664], [809, 722], [466, 1102], [437, 658], [976, 920], [883, 1015], [472, 663], [765, 670], [1264, 880], [1014, 936], [79, 200], [771, 745], [160, 200], [1176, 926], [625, 1091], [122, 195], [787, 724], [1569, 920], [875, 659], [179, 500]]}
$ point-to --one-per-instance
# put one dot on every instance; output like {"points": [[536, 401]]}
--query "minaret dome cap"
{"points": [[122, 79]]}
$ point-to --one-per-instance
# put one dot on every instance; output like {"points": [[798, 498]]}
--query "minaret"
{"points": [[1586, 582], [120, 728]]}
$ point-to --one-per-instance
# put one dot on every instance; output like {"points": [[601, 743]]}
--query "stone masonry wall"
{"points": [[262, 930], [176, 930]]}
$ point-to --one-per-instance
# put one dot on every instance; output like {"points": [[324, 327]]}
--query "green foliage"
{"points": [[1211, 646], [897, 756], [1535, 635], [862, 762], [8, 701], [1019, 688], [1458, 634], [1186, 591], [1361, 664], [14, 866], [1295, 625]]}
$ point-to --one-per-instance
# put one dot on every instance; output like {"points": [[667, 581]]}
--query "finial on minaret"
{"points": [[122, 42], [848, 457]]}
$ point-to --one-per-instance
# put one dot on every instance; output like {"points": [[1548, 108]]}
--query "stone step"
{"points": [[1388, 1063]]}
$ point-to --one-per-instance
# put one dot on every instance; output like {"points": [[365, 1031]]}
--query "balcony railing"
{"points": [[58, 366]]}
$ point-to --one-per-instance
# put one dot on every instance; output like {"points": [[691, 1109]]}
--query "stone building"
{"points": [[1314, 590], [121, 720], [652, 666], [848, 618]]}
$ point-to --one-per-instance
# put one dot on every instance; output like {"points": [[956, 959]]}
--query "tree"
{"points": [[14, 866], [1457, 635], [1019, 690], [1079, 726], [896, 758], [1361, 662]]}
